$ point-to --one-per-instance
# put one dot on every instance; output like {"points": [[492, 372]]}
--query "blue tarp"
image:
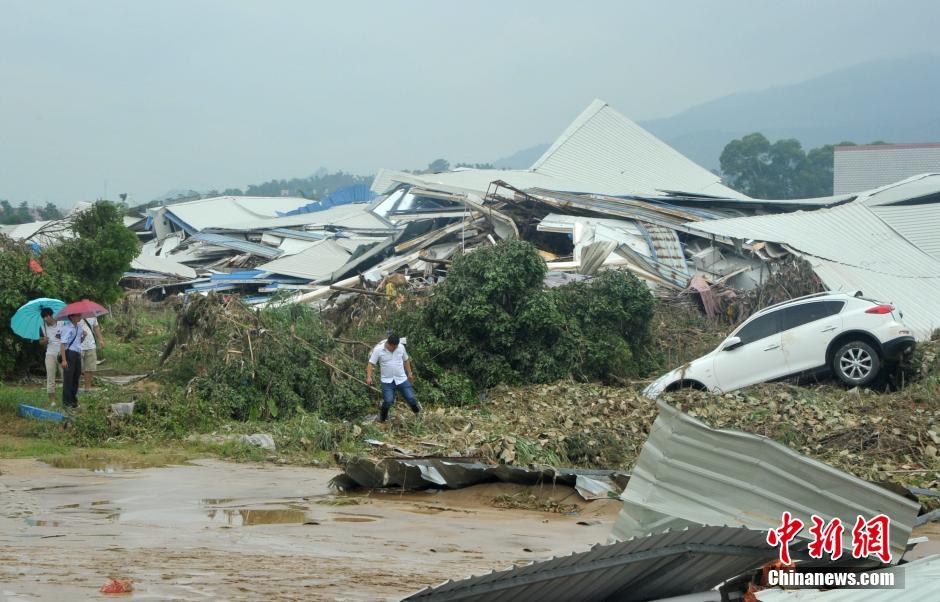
{"points": [[358, 193]]}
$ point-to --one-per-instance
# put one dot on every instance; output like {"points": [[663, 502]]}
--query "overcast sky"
{"points": [[143, 97]]}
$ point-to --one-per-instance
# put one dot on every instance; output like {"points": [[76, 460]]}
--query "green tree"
{"points": [[438, 165], [90, 265], [779, 170], [20, 284], [50, 212]]}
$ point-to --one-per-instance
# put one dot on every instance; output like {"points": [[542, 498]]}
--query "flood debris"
{"points": [[262, 440], [117, 586], [457, 473], [673, 538], [691, 474], [28, 411], [646, 568], [665, 219]]}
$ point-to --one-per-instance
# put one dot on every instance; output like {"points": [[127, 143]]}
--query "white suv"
{"points": [[852, 336]]}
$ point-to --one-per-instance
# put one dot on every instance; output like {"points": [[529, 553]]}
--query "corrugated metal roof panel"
{"points": [[919, 224], [315, 264], [162, 265], [855, 169], [915, 187], [648, 568], [480, 180], [689, 473], [222, 211], [343, 216], [616, 156], [237, 244], [852, 249], [921, 582]]}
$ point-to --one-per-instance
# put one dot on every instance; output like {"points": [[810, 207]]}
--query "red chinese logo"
{"points": [[826, 538], [869, 538], [872, 538], [789, 528]]}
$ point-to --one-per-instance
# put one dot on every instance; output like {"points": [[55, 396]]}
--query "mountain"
{"points": [[892, 100], [521, 159]]}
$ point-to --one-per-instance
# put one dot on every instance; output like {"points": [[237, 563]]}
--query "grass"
{"points": [[135, 335]]}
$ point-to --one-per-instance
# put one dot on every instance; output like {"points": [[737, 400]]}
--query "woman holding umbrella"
{"points": [[35, 320]]}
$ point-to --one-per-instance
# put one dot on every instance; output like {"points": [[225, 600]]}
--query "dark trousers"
{"points": [[71, 379], [388, 397]]}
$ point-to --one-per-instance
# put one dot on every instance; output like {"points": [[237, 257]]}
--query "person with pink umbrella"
{"points": [[71, 335]]}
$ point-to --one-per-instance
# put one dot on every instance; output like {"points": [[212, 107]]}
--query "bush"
{"points": [[20, 284], [610, 317], [492, 322], [247, 365]]}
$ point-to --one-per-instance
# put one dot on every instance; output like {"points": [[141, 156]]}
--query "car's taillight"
{"points": [[884, 308]]}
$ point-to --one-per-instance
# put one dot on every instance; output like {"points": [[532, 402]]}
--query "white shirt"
{"points": [[391, 363], [71, 337], [52, 333], [87, 325]]}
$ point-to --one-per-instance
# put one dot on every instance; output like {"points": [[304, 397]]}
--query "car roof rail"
{"points": [[822, 294]]}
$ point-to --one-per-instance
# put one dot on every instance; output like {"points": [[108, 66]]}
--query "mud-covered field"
{"points": [[219, 531]]}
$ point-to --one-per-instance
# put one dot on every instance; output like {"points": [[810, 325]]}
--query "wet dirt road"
{"points": [[219, 531]]}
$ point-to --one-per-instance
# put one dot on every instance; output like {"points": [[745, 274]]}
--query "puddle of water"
{"points": [[245, 518], [34, 522]]}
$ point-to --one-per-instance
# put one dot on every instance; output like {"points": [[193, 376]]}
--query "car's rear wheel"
{"points": [[856, 363]]}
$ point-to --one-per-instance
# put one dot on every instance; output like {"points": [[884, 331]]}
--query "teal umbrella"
{"points": [[27, 321]]}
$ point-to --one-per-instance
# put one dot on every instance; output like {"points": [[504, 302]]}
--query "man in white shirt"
{"points": [[49, 336], [90, 348], [394, 363]]}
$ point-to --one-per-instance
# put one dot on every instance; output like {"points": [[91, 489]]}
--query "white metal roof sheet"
{"points": [[689, 473], [616, 156], [223, 211], [915, 187], [315, 264], [162, 265], [919, 224], [601, 152], [480, 180], [852, 248], [857, 168], [353, 216], [850, 234]]}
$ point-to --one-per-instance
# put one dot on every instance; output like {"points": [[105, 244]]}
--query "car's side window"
{"points": [[760, 328], [798, 315]]}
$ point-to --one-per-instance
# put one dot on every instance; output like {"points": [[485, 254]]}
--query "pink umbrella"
{"points": [[84, 308]]}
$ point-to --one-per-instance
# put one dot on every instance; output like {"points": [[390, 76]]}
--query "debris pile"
{"points": [[245, 364], [877, 437], [672, 537]]}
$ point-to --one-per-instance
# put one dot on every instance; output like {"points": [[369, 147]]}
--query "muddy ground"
{"points": [[213, 530]]}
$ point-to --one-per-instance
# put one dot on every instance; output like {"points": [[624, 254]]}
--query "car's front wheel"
{"points": [[856, 363]]}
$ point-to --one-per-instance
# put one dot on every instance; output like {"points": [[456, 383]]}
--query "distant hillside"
{"points": [[521, 159], [892, 100]]}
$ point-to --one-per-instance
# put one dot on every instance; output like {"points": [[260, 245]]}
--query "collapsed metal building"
{"points": [[606, 194]]}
